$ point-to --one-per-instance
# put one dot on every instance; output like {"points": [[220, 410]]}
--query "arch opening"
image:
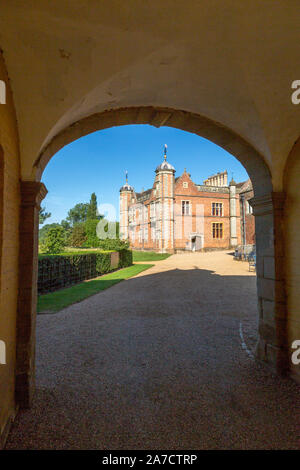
{"points": [[267, 206], [248, 156], [1, 208]]}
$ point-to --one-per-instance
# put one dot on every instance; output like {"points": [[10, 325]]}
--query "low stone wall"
{"points": [[59, 271]]}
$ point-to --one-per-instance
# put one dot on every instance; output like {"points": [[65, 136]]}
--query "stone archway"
{"points": [[249, 157], [291, 248], [272, 347], [1, 208]]}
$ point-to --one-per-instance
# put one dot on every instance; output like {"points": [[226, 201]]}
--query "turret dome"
{"points": [[165, 166], [126, 186]]}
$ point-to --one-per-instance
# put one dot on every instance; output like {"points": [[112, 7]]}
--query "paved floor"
{"points": [[156, 362]]}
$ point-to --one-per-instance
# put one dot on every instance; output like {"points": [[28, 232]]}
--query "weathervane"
{"points": [[165, 152]]}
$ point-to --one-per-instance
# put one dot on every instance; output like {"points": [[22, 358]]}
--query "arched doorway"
{"points": [[1, 207], [272, 346]]}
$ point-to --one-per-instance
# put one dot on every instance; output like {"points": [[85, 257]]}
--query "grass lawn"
{"points": [[149, 256], [60, 299]]}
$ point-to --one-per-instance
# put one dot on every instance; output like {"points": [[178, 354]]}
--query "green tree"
{"points": [[67, 228], [77, 236], [92, 212], [91, 233], [43, 215], [78, 214], [92, 237], [54, 240], [65, 224], [44, 230]]}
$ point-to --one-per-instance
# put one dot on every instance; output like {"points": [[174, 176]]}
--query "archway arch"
{"points": [[249, 157], [272, 346], [1, 209]]}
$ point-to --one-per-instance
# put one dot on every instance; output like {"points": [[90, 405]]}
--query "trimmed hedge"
{"points": [[103, 262], [125, 258], [59, 271]]}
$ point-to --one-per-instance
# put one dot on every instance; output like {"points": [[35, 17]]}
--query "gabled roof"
{"points": [[244, 186], [144, 195]]}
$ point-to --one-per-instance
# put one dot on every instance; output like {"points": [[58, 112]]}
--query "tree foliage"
{"points": [[83, 211], [78, 214], [45, 229], [43, 215], [80, 229], [65, 224], [92, 212], [77, 237], [54, 240], [92, 240]]}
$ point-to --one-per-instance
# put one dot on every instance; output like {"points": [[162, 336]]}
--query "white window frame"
{"points": [[184, 205], [146, 233], [140, 235], [249, 208], [153, 232]]}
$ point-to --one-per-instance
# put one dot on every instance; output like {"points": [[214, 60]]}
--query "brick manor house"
{"points": [[177, 214]]}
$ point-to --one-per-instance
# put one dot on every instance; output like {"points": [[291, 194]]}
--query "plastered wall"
{"points": [[9, 215], [292, 248]]}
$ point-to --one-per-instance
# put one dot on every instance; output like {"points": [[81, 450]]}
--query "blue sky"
{"points": [[97, 163]]}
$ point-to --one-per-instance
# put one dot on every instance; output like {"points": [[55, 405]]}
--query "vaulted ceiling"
{"points": [[232, 62]]}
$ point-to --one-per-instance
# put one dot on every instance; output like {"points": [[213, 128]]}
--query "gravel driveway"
{"points": [[156, 362]]}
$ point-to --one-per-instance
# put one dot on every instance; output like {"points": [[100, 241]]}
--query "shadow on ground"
{"points": [[156, 362]]}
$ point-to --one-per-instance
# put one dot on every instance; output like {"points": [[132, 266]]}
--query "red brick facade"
{"points": [[178, 214]]}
